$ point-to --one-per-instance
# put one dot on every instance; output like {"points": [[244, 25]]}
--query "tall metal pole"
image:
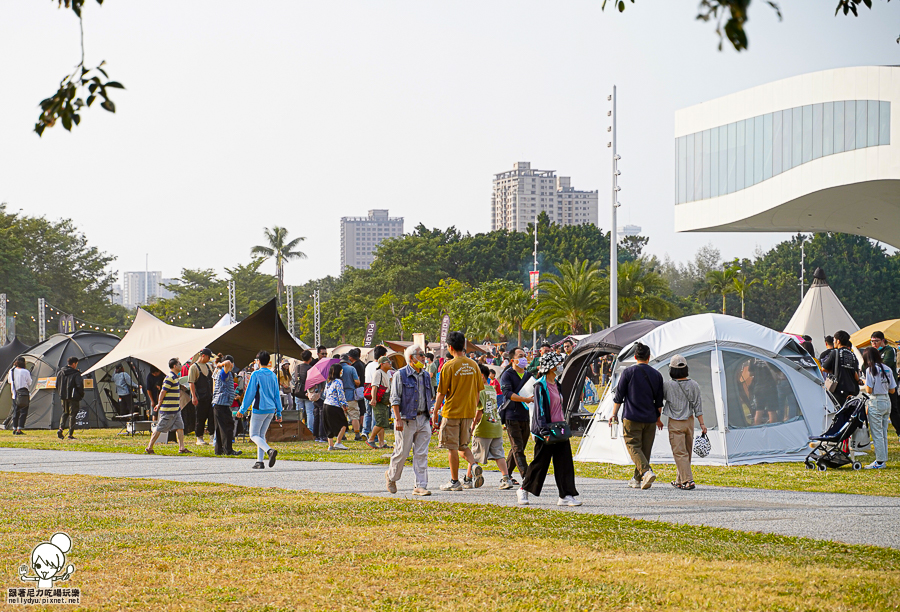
{"points": [[802, 267], [316, 317], [535, 294], [232, 306], [290, 308], [613, 236], [42, 320]]}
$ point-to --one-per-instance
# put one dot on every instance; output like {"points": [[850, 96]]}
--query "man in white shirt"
{"points": [[20, 383], [369, 419]]}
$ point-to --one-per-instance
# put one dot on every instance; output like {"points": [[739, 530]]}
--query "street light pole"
{"points": [[613, 237], [535, 294], [802, 267]]}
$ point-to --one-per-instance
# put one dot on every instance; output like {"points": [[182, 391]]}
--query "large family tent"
{"points": [[45, 360], [762, 393], [820, 314], [605, 342]]}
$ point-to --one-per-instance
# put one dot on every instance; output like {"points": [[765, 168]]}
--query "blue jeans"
{"points": [[368, 419], [879, 418], [306, 409], [259, 425]]}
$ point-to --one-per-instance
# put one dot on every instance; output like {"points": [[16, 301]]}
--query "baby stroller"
{"points": [[836, 446]]}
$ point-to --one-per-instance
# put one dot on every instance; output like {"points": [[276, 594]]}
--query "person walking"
{"points": [[169, 408], [457, 395], [549, 408], [379, 392], [368, 423], [124, 388], [361, 405], [350, 380], [889, 359], [224, 391], [513, 412], [880, 384], [683, 404], [70, 386], [411, 403], [842, 364], [487, 434], [334, 410], [20, 383], [298, 389], [200, 380], [264, 396], [640, 391]]}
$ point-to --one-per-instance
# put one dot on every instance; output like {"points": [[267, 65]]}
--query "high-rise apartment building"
{"points": [[523, 193], [360, 236], [139, 288]]}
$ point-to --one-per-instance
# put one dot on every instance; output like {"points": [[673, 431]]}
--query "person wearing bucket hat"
{"points": [[549, 408], [682, 405]]}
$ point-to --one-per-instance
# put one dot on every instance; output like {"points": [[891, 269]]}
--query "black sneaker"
{"points": [[259, 465], [358, 438], [59, 434], [235, 453], [271, 454]]}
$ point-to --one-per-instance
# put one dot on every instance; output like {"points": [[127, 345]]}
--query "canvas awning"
{"points": [[890, 329]]}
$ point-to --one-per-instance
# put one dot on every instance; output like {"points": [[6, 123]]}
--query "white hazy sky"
{"points": [[240, 115]]}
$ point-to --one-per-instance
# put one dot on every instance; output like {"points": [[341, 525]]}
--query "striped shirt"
{"points": [[172, 400]]}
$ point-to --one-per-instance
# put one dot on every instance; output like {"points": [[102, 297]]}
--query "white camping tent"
{"points": [[820, 314], [762, 393]]}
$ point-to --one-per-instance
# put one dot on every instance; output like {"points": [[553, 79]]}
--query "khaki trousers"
{"points": [[681, 439], [416, 436], [638, 438]]}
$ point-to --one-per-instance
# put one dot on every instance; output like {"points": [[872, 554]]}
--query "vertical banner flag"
{"points": [[371, 327], [445, 329], [535, 277], [67, 324]]}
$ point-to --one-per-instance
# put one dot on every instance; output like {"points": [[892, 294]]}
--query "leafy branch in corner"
{"points": [[65, 105], [852, 6]]}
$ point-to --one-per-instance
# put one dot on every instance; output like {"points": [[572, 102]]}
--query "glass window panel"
{"points": [[839, 127], [732, 140], [774, 144], [714, 162], [817, 131], [689, 168], [739, 155], [849, 125], [828, 129], [807, 134], [723, 160], [861, 131], [767, 145], [698, 166], [872, 132], [705, 170], [757, 392], [786, 139], [884, 123], [797, 141], [682, 184], [749, 137]]}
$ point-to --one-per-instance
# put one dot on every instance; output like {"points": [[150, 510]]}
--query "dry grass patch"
{"points": [[142, 544]]}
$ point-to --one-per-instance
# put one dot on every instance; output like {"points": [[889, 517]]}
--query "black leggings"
{"points": [[20, 415], [563, 468]]}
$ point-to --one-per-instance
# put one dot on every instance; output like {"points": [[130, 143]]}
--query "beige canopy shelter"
{"points": [[890, 329], [820, 314], [155, 342]]}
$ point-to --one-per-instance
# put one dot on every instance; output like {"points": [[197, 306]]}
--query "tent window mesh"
{"points": [[699, 369], [758, 392]]}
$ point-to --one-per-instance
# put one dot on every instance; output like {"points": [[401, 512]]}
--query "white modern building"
{"points": [[625, 231], [140, 288], [815, 152], [520, 195], [360, 236]]}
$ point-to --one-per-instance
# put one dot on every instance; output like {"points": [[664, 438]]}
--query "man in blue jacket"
{"points": [[513, 413], [264, 395], [640, 391], [411, 402]]}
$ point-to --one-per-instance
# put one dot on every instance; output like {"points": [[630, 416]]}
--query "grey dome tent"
{"points": [[45, 360], [9, 352]]}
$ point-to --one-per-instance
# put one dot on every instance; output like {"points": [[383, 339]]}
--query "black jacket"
{"points": [[511, 383], [299, 386], [70, 384]]}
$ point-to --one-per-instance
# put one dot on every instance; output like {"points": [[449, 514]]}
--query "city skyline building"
{"points": [[520, 195], [361, 235], [140, 287]]}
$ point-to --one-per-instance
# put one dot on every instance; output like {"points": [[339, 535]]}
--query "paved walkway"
{"points": [[855, 519]]}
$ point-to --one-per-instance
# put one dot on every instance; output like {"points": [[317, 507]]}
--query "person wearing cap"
{"points": [[639, 393], [223, 397], [549, 407], [381, 412], [200, 380], [683, 403]]}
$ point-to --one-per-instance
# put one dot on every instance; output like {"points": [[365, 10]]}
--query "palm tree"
{"points": [[718, 282], [512, 308], [741, 285], [571, 300], [642, 293], [280, 249]]}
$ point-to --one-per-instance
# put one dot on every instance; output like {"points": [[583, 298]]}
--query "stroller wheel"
{"points": [[810, 466], [857, 465], [822, 467]]}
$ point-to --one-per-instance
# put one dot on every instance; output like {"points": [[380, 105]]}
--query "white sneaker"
{"points": [[647, 479], [340, 446], [201, 442], [452, 485], [568, 500], [505, 483], [574, 500], [522, 496], [634, 483]]}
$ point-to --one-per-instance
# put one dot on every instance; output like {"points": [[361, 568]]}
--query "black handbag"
{"points": [[554, 433]]}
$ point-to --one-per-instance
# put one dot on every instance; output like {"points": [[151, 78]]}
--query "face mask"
{"points": [[523, 363], [418, 365]]}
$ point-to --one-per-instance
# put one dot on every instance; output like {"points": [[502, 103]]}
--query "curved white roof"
{"points": [[712, 328]]}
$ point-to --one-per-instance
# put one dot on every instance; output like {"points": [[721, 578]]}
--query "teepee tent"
{"points": [[820, 314], [762, 393]]}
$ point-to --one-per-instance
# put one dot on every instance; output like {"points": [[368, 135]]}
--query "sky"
{"points": [[244, 115]]}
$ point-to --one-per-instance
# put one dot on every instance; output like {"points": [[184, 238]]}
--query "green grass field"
{"points": [[786, 476], [143, 544]]}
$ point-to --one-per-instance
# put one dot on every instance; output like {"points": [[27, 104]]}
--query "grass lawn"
{"points": [[787, 476], [142, 544]]}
